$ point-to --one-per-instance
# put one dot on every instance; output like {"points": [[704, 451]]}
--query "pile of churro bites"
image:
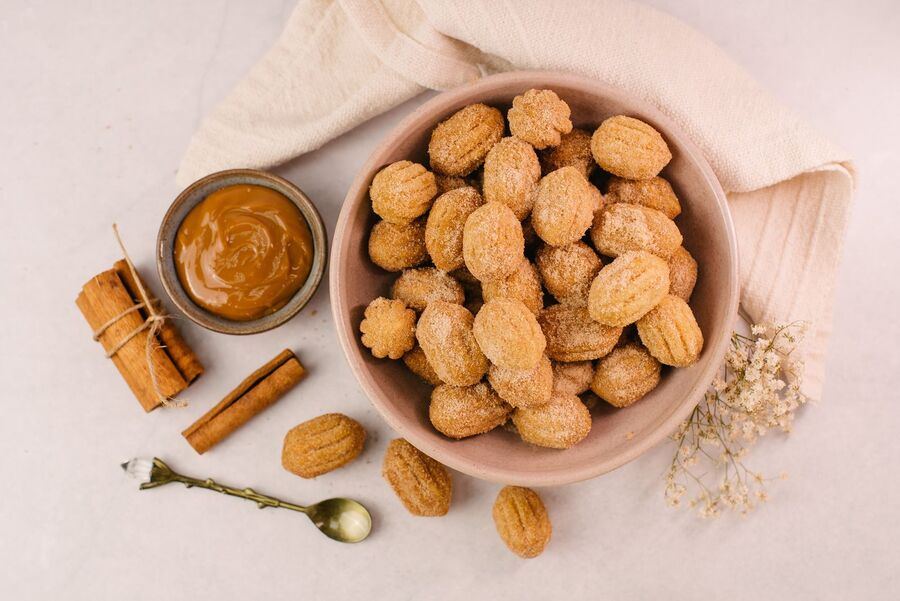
{"points": [[523, 293]]}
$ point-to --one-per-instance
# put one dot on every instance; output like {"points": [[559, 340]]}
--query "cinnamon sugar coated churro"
{"points": [[670, 332], [445, 334], [418, 287], [572, 378], [682, 273], [511, 173], [561, 423], [444, 228], [573, 336], [564, 205], [625, 375], [395, 247], [322, 444], [574, 150], [508, 334], [620, 228], [524, 296], [627, 288], [459, 144], [493, 244], [523, 387], [422, 484], [567, 271], [418, 363], [522, 521], [539, 117], [629, 148], [462, 411], [445, 183], [524, 284], [388, 328], [402, 191], [653, 193]]}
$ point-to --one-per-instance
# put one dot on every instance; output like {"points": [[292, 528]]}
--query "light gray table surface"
{"points": [[99, 100]]}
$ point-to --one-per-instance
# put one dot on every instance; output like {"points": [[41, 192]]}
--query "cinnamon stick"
{"points": [[259, 390], [181, 354], [110, 297]]}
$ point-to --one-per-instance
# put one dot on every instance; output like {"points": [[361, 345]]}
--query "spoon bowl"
{"points": [[340, 519]]}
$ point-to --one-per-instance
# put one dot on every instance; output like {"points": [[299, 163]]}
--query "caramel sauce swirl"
{"points": [[243, 252]]}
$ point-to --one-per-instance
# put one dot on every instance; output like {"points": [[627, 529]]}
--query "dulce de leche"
{"points": [[243, 252]]}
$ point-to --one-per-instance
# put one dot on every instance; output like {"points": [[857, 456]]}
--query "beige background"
{"points": [[99, 101]]}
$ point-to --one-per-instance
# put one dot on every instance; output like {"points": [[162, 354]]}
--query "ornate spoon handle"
{"points": [[160, 474]]}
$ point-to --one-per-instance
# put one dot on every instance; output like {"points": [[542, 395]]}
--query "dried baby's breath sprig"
{"points": [[759, 391]]}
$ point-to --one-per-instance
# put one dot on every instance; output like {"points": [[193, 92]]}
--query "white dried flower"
{"points": [[759, 390]]}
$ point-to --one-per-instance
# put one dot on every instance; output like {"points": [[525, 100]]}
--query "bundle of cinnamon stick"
{"points": [[157, 364], [111, 303]]}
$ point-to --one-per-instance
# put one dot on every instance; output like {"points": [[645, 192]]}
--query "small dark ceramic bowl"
{"points": [[187, 200]]}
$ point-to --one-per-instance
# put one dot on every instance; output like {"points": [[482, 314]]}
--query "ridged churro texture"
{"points": [[629, 148], [522, 521], [388, 328], [574, 150], [524, 284], [682, 274], [573, 336], [671, 334], [511, 173], [462, 411], [322, 444], [620, 228], [418, 363], [523, 387], [396, 247], [493, 244], [561, 423], [445, 334], [627, 288], [508, 334], [418, 287], [564, 206], [567, 271], [445, 183], [572, 378], [655, 193], [402, 191], [625, 375], [444, 228], [539, 117], [422, 484], [459, 144]]}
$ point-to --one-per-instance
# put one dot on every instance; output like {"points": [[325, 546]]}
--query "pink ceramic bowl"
{"points": [[618, 435]]}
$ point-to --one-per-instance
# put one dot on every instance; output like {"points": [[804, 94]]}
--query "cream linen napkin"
{"points": [[341, 62]]}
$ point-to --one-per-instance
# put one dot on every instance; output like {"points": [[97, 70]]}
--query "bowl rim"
{"points": [[165, 259], [443, 103]]}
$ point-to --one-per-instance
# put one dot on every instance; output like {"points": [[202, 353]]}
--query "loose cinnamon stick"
{"points": [[259, 390], [107, 296]]}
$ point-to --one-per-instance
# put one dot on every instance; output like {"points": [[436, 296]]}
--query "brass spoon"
{"points": [[343, 520]]}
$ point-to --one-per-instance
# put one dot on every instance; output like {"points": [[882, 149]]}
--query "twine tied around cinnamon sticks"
{"points": [[153, 322]]}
